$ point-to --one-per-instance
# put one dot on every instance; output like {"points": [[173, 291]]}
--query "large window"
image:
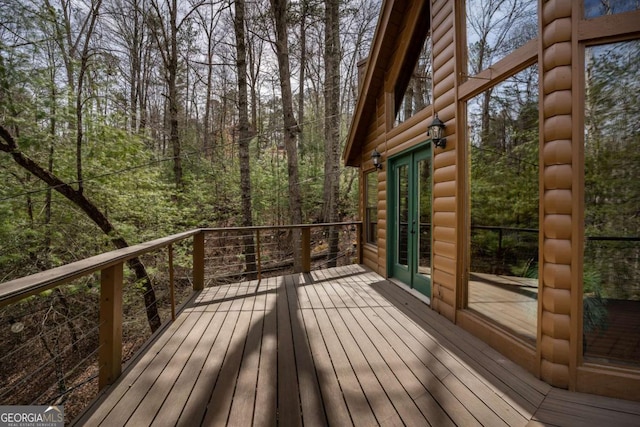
{"points": [[412, 91], [503, 137], [496, 28], [371, 207], [611, 272], [416, 92]]}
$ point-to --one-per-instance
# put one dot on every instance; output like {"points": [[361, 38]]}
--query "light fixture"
{"points": [[375, 156], [436, 131]]}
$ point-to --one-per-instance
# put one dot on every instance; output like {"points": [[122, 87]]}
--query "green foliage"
{"points": [[612, 159], [594, 305], [127, 167]]}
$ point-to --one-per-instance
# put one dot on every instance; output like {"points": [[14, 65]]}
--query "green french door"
{"points": [[410, 219]]}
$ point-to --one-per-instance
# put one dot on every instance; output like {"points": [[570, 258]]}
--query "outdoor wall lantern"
{"points": [[436, 130], [375, 156]]}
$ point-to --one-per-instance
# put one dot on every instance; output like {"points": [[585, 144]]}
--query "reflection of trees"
{"points": [[494, 29], [504, 174], [418, 92], [612, 165], [594, 8]]}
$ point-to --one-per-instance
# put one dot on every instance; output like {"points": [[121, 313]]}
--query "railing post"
{"points": [[110, 351], [198, 261], [172, 284], [359, 242], [306, 249]]}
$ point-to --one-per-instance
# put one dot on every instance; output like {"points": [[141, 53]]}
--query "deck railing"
{"points": [[197, 258]]}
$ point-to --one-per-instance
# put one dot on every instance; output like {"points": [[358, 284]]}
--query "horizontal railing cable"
{"points": [[42, 335], [67, 376], [41, 367]]}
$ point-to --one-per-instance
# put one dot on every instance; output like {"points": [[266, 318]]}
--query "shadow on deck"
{"points": [[340, 346]]}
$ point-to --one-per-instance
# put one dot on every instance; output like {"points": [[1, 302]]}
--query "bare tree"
{"points": [[291, 129], [244, 136], [331, 193], [165, 32], [75, 49], [209, 21], [254, 55], [304, 7], [494, 28]]}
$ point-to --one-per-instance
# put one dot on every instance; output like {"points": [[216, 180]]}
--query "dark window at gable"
{"points": [[413, 87]]}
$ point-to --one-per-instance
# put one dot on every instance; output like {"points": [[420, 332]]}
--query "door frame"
{"points": [[392, 239]]}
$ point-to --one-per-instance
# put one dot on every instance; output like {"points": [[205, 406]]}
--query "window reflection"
{"points": [[417, 93], [594, 8], [424, 217], [496, 28], [503, 137], [611, 272]]}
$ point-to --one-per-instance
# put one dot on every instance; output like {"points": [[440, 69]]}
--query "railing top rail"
{"points": [[279, 227], [23, 287]]}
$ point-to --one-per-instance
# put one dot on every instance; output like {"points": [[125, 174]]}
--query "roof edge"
{"points": [[365, 93]]}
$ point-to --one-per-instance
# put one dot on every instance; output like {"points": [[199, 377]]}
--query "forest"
{"points": [[126, 120]]}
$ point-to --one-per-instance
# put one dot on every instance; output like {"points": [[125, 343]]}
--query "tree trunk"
{"points": [[303, 64], [244, 137], [206, 142], [77, 198], [173, 96], [332, 123], [166, 37], [52, 132], [291, 129], [84, 62]]}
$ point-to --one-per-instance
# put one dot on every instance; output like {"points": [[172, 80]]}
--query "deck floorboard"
{"points": [[339, 347]]}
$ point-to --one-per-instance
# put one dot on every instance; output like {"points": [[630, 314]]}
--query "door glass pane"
{"points": [[424, 214], [371, 209], [402, 179]]}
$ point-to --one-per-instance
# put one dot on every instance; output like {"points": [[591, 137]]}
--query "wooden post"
{"points": [[110, 351], [198, 261], [172, 288], [305, 246]]}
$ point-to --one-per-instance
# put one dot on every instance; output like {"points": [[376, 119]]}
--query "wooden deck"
{"points": [[333, 347], [511, 302]]}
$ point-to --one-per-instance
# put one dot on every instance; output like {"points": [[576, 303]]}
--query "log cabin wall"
{"points": [[558, 211], [556, 356], [447, 181]]}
